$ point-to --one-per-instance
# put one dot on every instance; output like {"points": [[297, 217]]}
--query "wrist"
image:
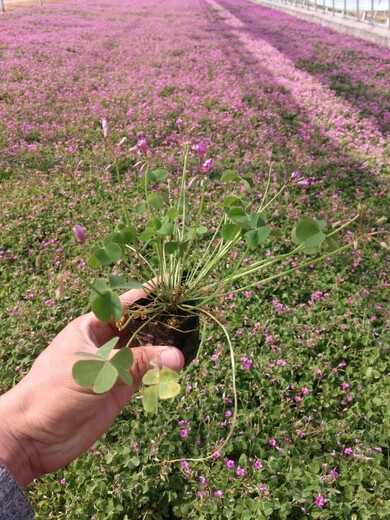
{"points": [[16, 451]]}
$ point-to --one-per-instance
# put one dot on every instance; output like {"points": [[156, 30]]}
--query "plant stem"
{"points": [[262, 208], [121, 192], [235, 400], [182, 193], [142, 258], [288, 271], [344, 225]]}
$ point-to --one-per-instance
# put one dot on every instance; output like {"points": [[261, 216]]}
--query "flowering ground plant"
{"points": [[188, 247]]}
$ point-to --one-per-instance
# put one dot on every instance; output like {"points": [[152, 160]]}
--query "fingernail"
{"points": [[171, 358]]}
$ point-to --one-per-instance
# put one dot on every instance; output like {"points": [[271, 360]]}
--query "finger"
{"points": [[131, 296]]}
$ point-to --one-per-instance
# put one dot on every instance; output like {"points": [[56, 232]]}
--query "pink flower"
{"points": [[230, 464], [218, 493], [320, 501], [63, 481], [240, 471], [79, 232], [183, 433], [208, 165], [185, 465], [348, 451], [334, 473], [258, 464], [305, 390], [201, 150], [142, 145], [272, 442], [203, 481]]}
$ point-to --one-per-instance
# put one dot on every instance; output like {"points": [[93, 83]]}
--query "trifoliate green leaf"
{"points": [[107, 306], [168, 389], [85, 372], [109, 254], [104, 350], [105, 379], [150, 399], [152, 377]]}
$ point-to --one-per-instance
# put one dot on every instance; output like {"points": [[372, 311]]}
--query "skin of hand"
{"points": [[47, 420]]}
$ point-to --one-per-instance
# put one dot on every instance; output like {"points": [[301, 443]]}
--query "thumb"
{"points": [[169, 357]]}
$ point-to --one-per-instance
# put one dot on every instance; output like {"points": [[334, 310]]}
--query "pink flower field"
{"points": [[261, 90]]}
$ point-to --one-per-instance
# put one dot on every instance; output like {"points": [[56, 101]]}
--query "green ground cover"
{"points": [[312, 433]]}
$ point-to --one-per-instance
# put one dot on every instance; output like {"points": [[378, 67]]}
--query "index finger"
{"points": [[133, 295]]}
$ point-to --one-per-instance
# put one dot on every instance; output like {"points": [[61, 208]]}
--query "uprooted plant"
{"points": [[190, 248]]}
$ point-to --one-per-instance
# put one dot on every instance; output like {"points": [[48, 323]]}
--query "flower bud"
{"points": [[208, 165], [105, 127], [201, 150], [142, 146], [79, 232]]}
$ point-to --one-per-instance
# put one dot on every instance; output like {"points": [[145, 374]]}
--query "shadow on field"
{"points": [[322, 159], [355, 70]]}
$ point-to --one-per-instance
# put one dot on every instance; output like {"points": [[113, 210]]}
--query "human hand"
{"points": [[47, 420]]}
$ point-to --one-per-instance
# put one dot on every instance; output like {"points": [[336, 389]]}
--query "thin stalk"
{"points": [[198, 216], [235, 400], [288, 271], [204, 260], [266, 191], [261, 264], [220, 255], [344, 225], [142, 258], [121, 192], [228, 279], [182, 194], [145, 180], [262, 208]]}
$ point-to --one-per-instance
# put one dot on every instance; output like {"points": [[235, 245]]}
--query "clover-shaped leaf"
{"points": [[107, 305], [171, 247], [150, 399], [254, 237], [229, 231], [109, 254], [147, 235], [230, 175], [123, 361], [119, 282], [309, 233], [124, 235], [161, 384], [100, 372], [230, 200]]}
